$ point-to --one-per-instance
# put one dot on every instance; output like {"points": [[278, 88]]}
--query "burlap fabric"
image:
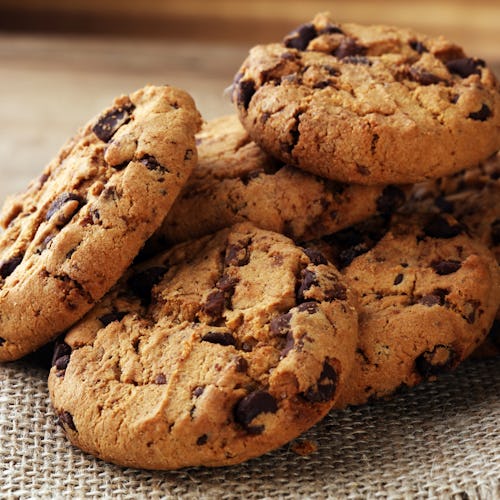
{"points": [[440, 440]]}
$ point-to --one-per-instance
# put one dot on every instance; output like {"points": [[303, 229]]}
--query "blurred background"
{"points": [[62, 61]]}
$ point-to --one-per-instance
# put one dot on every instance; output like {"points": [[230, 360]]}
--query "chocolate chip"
{"points": [[2, 341], [336, 292], [363, 170], [252, 405], [349, 47], [66, 419], [8, 266], [418, 46], [495, 232], [58, 203], [482, 115], [315, 256], [443, 267], [437, 297], [108, 318], [108, 123], [143, 282], [160, 379], [241, 364], [308, 307], [214, 305], [357, 60], [226, 283], [299, 39], [444, 205], [390, 200], [246, 90], [439, 227], [202, 440], [198, 391], [325, 388], [331, 29], [188, 154], [289, 344], [398, 279], [237, 254], [440, 360], [62, 362], [280, 325], [61, 350], [152, 163], [465, 66], [307, 281], [221, 338], [423, 77]]}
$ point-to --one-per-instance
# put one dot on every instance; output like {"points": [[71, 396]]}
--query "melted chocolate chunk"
{"points": [[465, 66], [349, 47], [437, 297], [423, 77], [390, 200], [440, 227], [61, 200], [440, 360], [237, 254], [280, 325], [214, 305], [152, 163], [160, 379], [108, 318], [66, 419], [221, 338], [289, 344], [398, 279], [226, 283], [308, 280], [2, 341], [482, 115], [108, 123], [61, 350], [253, 405], [418, 46], [315, 256], [7, 267], [299, 39], [443, 267], [336, 292], [202, 440], [308, 307], [241, 364], [325, 388], [246, 90], [143, 282]]}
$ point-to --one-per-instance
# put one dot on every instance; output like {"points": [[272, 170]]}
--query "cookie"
{"points": [[428, 297], [211, 353], [369, 104], [76, 229], [235, 181], [471, 196]]}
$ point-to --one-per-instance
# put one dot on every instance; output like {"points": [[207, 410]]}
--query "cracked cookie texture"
{"points": [[428, 295], [72, 234], [369, 104], [235, 181], [211, 353]]}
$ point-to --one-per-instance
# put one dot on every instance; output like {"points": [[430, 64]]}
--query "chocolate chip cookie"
{"points": [[211, 353], [369, 104], [428, 297], [76, 229], [235, 181]]}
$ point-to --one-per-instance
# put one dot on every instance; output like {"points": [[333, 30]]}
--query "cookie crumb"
{"points": [[304, 447]]}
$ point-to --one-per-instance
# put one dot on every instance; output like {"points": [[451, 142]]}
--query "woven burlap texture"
{"points": [[440, 440]]}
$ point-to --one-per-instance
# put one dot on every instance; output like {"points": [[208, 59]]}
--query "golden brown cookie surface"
{"points": [[214, 352], [71, 235]]}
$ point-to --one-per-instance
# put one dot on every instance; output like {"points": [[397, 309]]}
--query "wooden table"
{"points": [[51, 85]]}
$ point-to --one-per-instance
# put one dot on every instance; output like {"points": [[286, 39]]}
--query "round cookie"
{"points": [[428, 297], [211, 353], [369, 104], [235, 181], [76, 229]]}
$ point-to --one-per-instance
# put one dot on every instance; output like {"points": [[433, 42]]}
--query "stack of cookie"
{"points": [[329, 244]]}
